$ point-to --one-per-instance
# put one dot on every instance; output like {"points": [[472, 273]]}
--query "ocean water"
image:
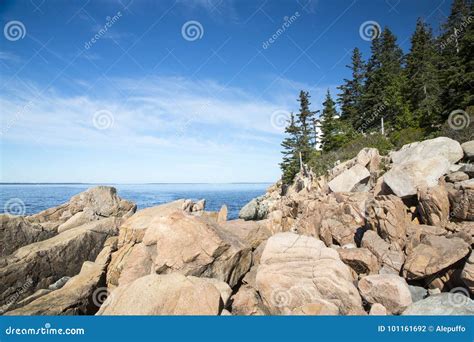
{"points": [[29, 199]]}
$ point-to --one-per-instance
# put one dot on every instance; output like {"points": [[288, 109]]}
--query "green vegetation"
{"points": [[301, 139], [413, 95], [289, 165], [423, 90], [321, 162], [350, 97]]}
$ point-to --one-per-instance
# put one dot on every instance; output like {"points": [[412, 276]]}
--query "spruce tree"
{"points": [[422, 88], [314, 130], [466, 53], [290, 163], [454, 66], [351, 91], [383, 90], [329, 127], [306, 127], [372, 91]]}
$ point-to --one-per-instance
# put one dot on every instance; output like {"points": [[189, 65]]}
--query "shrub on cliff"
{"points": [[320, 162]]}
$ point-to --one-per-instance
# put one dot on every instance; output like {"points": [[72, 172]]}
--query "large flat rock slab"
{"points": [[179, 243], [296, 271], [42, 263], [443, 147], [170, 294]]}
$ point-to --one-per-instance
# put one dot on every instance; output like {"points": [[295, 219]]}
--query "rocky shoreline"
{"points": [[377, 235]]}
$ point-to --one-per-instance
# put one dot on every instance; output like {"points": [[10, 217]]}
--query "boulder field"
{"points": [[376, 235]]}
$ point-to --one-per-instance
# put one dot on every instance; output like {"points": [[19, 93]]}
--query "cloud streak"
{"points": [[163, 122], [163, 111]]}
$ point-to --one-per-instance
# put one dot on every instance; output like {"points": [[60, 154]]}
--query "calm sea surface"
{"points": [[32, 198]]}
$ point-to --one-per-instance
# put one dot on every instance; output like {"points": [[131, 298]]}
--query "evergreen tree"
{"points": [[455, 45], [314, 130], [385, 81], [466, 53], [417, 90], [290, 163], [329, 127], [423, 90], [371, 93], [351, 91], [306, 127]]}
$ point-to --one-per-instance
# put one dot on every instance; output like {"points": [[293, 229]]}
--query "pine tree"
{"points": [[329, 127], [314, 137], [290, 164], [305, 125], [301, 139], [466, 53], [383, 90], [423, 91], [371, 93], [351, 91], [454, 66]]}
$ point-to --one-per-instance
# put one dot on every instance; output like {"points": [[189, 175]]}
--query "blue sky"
{"points": [[136, 91]]}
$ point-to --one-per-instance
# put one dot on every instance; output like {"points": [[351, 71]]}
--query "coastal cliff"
{"points": [[374, 235]]}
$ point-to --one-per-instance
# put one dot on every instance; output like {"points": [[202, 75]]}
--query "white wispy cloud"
{"points": [[165, 124], [218, 10], [166, 111], [9, 57]]}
